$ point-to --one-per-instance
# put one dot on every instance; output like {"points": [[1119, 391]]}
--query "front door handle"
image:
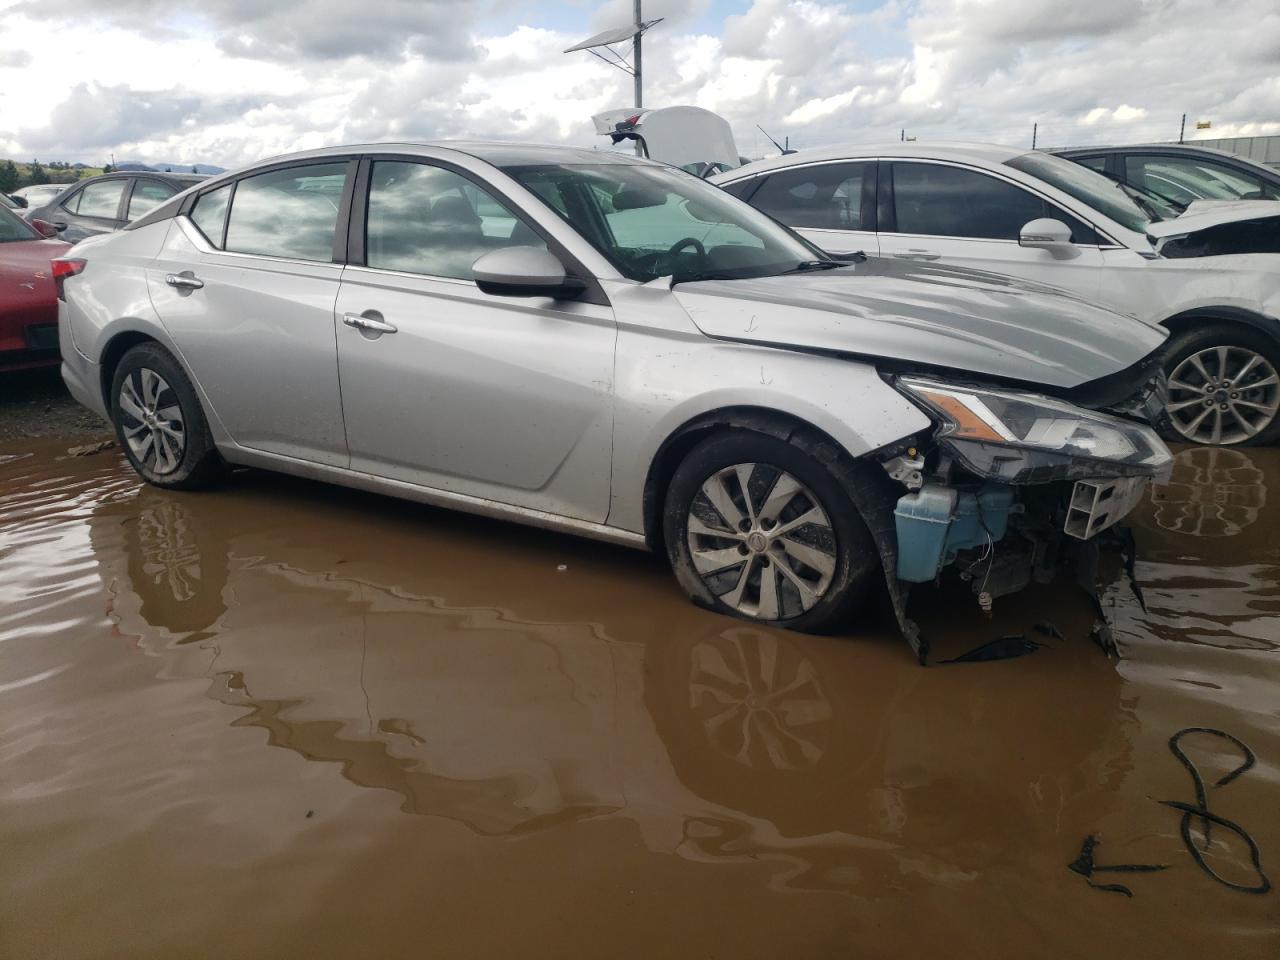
{"points": [[916, 254], [184, 281], [370, 321]]}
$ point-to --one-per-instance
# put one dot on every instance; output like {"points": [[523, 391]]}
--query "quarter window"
{"points": [[288, 213], [101, 199], [146, 196], [428, 220], [937, 200], [210, 212], [827, 197]]}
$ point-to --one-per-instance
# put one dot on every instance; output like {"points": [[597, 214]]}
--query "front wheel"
{"points": [[1224, 387], [756, 528]]}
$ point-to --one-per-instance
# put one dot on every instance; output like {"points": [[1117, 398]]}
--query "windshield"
{"points": [[13, 229], [1085, 185], [652, 221]]}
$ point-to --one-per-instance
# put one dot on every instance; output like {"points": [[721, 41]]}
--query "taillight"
{"points": [[63, 269]]}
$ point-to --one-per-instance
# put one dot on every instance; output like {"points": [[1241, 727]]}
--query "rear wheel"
{"points": [[756, 528], [1224, 387], [159, 422]]}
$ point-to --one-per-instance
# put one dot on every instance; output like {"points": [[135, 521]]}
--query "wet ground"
{"points": [[34, 403], [286, 720]]}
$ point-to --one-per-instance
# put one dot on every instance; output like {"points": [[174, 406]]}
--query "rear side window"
{"points": [[289, 213], [827, 197], [740, 188], [936, 200], [1093, 163], [101, 199], [146, 196], [428, 220], [210, 213]]}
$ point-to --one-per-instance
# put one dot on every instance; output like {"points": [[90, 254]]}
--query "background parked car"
{"points": [[106, 203], [1040, 217], [28, 299], [38, 195], [1181, 173]]}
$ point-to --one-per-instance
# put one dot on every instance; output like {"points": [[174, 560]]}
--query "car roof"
{"points": [[936, 150], [496, 152], [1193, 149]]}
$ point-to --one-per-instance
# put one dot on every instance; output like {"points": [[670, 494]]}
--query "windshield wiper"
{"points": [[808, 266], [710, 275]]}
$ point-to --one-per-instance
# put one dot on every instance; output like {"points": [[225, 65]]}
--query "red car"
{"points": [[28, 297]]}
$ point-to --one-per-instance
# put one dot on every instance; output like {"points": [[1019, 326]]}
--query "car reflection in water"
{"points": [[451, 663], [1209, 558]]}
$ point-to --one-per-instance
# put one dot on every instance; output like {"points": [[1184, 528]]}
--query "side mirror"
{"points": [[1048, 234], [46, 229], [524, 272]]}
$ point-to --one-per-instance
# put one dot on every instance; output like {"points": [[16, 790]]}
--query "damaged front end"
{"points": [[1010, 487]]}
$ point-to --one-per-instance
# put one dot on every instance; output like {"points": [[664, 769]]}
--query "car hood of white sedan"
{"points": [[935, 316], [1203, 214]]}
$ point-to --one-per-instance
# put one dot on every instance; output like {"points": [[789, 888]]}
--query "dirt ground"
{"points": [[35, 403], [282, 719]]}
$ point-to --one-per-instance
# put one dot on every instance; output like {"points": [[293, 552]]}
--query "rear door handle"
{"points": [[370, 320], [184, 281], [917, 255]]}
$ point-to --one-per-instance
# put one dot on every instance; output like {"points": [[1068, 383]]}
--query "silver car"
{"points": [[605, 345]]}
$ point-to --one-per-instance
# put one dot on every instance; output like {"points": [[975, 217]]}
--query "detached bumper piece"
{"points": [[1098, 504]]}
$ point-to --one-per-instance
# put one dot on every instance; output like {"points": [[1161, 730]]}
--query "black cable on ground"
{"points": [[1200, 810]]}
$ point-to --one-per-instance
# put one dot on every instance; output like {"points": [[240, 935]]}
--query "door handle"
{"points": [[370, 320], [183, 281], [916, 255]]}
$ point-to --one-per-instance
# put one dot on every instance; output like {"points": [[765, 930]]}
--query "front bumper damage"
{"points": [[1013, 487]]}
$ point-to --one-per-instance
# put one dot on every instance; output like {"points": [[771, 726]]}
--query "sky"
{"points": [[228, 82]]}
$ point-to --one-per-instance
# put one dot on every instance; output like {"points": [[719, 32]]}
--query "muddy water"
{"points": [[286, 720]]}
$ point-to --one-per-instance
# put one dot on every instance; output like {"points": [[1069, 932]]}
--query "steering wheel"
{"points": [[679, 245]]}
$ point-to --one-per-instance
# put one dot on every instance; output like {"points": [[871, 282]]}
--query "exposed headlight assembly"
{"points": [[1029, 438]]}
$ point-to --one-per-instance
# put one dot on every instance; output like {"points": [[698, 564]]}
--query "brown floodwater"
{"points": [[287, 720]]}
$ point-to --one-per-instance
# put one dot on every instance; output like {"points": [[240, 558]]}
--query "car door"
{"points": [[936, 212], [830, 204], [145, 196], [95, 208], [245, 285], [507, 399]]}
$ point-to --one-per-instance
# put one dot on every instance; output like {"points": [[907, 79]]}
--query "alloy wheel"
{"points": [[1223, 395], [151, 421], [761, 541]]}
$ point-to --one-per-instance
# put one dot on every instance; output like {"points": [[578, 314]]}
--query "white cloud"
{"points": [[229, 81]]}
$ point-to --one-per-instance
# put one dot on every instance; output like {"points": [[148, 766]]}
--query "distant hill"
{"points": [[171, 167]]}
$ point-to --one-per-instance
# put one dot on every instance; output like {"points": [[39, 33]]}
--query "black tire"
{"points": [[1184, 345], [198, 464], [856, 561]]}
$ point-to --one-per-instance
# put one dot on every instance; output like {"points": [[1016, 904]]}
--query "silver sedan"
{"points": [[586, 341]]}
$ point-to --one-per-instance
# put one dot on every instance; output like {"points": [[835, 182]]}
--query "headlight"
{"points": [[1029, 438]]}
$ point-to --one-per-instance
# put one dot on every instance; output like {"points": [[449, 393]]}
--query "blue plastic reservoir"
{"points": [[936, 522]]}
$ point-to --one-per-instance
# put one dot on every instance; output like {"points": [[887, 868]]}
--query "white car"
{"points": [[1210, 275]]}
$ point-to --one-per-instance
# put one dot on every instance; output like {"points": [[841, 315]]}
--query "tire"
{"points": [[1222, 409], [839, 562], [159, 423]]}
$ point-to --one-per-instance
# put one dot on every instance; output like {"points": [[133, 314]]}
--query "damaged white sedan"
{"points": [[611, 347], [1209, 272]]}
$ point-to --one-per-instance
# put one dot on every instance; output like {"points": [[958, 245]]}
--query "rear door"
{"points": [[934, 212], [504, 398], [831, 204], [246, 286], [97, 207]]}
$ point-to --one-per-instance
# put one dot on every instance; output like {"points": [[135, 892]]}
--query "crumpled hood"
{"points": [[1202, 214], [909, 313]]}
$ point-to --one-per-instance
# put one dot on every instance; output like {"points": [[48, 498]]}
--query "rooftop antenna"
{"points": [[603, 47], [784, 150]]}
